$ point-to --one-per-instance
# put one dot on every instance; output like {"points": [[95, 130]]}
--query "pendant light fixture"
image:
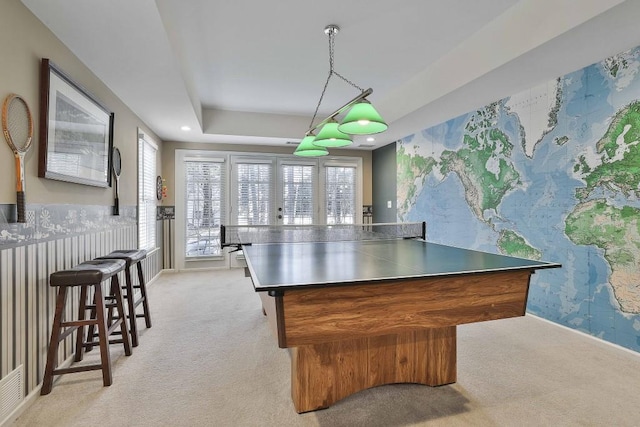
{"points": [[362, 119], [307, 148], [330, 136]]}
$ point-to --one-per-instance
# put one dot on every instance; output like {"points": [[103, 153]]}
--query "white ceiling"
{"points": [[251, 71]]}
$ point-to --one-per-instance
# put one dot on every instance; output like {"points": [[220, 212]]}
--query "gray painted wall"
{"points": [[66, 223], [384, 170]]}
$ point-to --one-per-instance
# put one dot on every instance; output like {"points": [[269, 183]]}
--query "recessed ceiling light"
{"points": [[371, 139], [185, 128]]}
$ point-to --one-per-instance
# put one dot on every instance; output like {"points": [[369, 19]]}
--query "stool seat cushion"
{"points": [[88, 272], [131, 256]]}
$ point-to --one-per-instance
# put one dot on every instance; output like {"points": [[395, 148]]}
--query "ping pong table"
{"points": [[375, 304]]}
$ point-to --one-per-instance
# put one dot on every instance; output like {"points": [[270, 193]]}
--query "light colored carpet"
{"points": [[209, 360]]}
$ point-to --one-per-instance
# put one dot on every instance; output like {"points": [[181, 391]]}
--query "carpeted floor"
{"points": [[210, 360]]}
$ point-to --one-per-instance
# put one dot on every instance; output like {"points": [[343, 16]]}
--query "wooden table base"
{"points": [[322, 374], [344, 339]]}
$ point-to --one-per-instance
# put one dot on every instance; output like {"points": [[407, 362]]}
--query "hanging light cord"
{"points": [[331, 32]]}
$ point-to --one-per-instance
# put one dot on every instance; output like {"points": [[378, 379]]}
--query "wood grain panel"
{"points": [[325, 373], [319, 315], [391, 359], [441, 351], [269, 306], [424, 356], [322, 374]]}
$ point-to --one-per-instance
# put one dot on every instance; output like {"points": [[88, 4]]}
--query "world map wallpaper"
{"points": [[551, 173]]}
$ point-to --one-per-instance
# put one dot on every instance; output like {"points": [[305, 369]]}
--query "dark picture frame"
{"points": [[76, 131]]}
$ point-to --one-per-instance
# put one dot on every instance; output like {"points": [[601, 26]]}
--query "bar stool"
{"points": [[89, 274], [131, 257]]}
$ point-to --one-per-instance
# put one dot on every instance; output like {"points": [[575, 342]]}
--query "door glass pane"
{"points": [[205, 207], [340, 190], [297, 194], [254, 194]]}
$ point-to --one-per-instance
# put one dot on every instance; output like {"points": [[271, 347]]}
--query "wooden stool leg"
{"points": [[52, 352], [91, 330], [115, 284], [103, 335], [112, 308], [143, 292], [131, 308], [82, 310]]}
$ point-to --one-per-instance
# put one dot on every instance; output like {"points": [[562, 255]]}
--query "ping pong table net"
{"points": [[238, 235]]}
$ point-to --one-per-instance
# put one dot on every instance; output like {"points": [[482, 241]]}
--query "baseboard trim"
{"points": [[600, 340], [31, 398]]}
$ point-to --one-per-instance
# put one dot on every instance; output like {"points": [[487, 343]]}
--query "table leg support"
{"points": [[322, 374], [440, 360]]}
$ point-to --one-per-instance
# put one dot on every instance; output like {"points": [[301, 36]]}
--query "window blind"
{"points": [[340, 191], [254, 198], [297, 194], [146, 194], [204, 197]]}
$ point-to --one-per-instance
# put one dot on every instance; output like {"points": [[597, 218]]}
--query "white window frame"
{"points": [[346, 162], [232, 218], [182, 156], [285, 161], [231, 186], [221, 161], [147, 201]]}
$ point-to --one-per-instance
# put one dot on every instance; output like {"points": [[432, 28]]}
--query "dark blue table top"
{"points": [[280, 266]]}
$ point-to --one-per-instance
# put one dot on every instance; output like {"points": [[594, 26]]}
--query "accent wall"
{"points": [[550, 173]]}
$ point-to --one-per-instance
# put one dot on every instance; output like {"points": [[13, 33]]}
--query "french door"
{"points": [[297, 192], [224, 188], [273, 191]]}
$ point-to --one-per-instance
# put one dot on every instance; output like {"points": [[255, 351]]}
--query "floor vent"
{"points": [[11, 393]]}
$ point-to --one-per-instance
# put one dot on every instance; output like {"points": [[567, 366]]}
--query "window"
{"points": [[146, 192], [340, 194], [254, 195], [298, 194], [204, 198], [216, 188]]}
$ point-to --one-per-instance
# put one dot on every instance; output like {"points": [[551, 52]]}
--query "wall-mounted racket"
{"points": [[116, 166], [17, 126]]}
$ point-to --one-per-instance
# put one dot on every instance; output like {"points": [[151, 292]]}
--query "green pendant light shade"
{"points": [[362, 119], [330, 136], [307, 148]]}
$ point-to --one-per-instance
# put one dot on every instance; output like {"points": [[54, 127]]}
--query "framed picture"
{"points": [[76, 131]]}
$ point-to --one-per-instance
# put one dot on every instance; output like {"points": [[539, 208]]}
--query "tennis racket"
{"points": [[17, 126], [116, 167]]}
